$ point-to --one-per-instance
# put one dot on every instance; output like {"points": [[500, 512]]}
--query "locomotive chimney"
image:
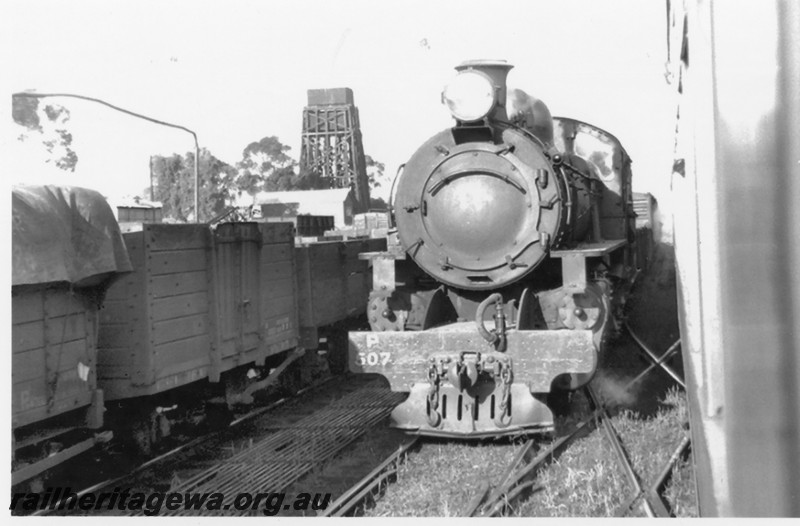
{"points": [[497, 71]]}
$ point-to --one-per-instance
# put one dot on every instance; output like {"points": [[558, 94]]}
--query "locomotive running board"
{"points": [[538, 357]]}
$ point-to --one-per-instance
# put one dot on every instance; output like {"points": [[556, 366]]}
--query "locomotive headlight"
{"points": [[470, 96]]}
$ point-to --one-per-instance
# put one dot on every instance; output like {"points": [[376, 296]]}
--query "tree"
{"points": [[375, 170], [280, 180], [48, 123], [174, 185], [309, 180], [267, 166], [377, 203], [261, 162], [375, 179]]}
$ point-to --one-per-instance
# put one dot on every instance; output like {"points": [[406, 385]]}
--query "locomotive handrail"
{"points": [[392, 189], [490, 337], [446, 179]]}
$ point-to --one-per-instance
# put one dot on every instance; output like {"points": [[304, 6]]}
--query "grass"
{"points": [[441, 479], [586, 480]]}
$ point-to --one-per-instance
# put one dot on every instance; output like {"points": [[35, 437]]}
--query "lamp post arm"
{"points": [[140, 116]]}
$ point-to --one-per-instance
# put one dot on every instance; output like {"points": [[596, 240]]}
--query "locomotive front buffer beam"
{"points": [[461, 387]]}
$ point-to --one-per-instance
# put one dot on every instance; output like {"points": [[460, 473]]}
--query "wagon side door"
{"points": [[237, 247]]}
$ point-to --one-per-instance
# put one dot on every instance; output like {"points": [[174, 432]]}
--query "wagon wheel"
{"points": [[337, 350], [143, 435]]}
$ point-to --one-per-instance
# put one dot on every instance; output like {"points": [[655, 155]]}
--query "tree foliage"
{"points": [[174, 185], [377, 203], [374, 172], [267, 166], [263, 161], [307, 180], [376, 179], [48, 123]]}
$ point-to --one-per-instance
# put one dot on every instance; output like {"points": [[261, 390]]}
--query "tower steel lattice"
{"points": [[331, 142]]}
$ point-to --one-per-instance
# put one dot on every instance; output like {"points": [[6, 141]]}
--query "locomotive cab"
{"points": [[501, 222]]}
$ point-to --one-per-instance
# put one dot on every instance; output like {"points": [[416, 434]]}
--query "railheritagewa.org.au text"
{"points": [[268, 503]]}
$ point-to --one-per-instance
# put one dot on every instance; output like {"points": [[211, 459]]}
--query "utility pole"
{"points": [[152, 195]]}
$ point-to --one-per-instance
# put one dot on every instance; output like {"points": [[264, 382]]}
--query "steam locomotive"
{"points": [[514, 247]]}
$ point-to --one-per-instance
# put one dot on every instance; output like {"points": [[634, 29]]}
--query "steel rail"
{"points": [[192, 443], [506, 481], [666, 356], [513, 486], [484, 491], [622, 457], [653, 491], [356, 494], [283, 457], [510, 487], [667, 470], [658, 361], [518, 458], [477, 499]]}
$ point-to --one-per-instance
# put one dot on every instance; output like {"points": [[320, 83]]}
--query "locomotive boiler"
{"points": [[511, 256]]}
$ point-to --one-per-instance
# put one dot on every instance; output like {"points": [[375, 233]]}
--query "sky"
{"points": [[237, 71]]}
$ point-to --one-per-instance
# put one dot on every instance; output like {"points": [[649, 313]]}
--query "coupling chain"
{"points": [[434, 418], [504, 418]]}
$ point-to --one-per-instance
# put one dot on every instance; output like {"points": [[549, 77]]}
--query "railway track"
{"points": [[241, 419], [293, 450], [285, 448], [373, 483], [263, 451], [519, 478]]}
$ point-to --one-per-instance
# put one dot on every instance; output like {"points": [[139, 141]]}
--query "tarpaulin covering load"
{"points": [[64, 234]]}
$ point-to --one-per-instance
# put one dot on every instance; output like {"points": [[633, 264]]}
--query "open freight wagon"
{"points": [[199, 303], [206, 308], [67, 249]]}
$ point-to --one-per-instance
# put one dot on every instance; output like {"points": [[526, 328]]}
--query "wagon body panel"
{"points": [[198, 304], [53, 331], [278, 289], [67, 249], [333, 283]]}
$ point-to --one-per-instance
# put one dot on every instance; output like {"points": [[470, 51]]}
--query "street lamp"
{"points": [[140, 116]]}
